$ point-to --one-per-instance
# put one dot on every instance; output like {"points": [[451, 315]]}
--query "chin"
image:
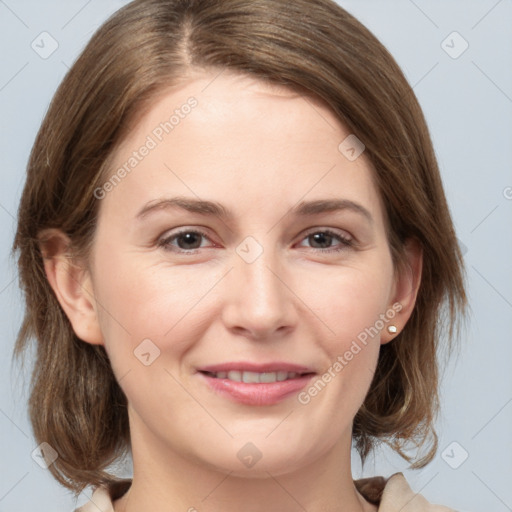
{"points": [[258, 460]]}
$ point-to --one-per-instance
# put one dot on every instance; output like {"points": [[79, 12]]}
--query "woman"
{"points": [[236, 254]]}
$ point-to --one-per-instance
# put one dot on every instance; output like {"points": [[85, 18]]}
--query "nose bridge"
{"points": [[260, 301]]}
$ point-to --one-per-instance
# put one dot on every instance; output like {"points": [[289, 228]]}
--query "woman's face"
{"points": [[220, 255]]}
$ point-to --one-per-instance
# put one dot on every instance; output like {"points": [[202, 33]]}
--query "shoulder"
{"points": [[394, 494], [102, 499]]}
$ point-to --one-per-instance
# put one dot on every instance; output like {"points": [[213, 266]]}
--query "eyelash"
{"points": [[345, 242]]}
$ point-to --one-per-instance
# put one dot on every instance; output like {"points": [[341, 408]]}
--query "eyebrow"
{"points": [[212, 208]]}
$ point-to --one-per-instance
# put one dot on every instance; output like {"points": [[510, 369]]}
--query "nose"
{"points": [[259, 301]]}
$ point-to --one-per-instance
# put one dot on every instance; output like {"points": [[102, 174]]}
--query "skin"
{"points": [[258, 150]]}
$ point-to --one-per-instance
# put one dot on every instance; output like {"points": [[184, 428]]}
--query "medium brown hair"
{"points": [[76, 405]]}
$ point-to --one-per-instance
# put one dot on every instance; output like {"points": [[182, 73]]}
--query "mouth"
{"points": [[249, 377], [252, 384]]}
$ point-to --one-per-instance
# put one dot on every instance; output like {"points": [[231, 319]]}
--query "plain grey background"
{"points": [[458, 56]]}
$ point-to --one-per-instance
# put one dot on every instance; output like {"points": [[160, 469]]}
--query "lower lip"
{"points": [[259, 393]]}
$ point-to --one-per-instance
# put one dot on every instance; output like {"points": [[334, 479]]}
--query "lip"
{"points": [[246, 366], [256, 394]]}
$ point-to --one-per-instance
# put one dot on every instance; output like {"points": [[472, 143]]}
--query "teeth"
{"points": [[255, 377], [268, 377], [250, 377], [234, 375], [282, 376]]}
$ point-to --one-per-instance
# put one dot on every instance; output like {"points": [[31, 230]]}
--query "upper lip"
{"points": [[244, 366]]}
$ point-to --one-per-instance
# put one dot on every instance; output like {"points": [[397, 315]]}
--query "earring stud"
{"points": [[392, 329]]}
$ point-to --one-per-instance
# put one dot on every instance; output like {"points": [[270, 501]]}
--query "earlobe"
{"points": [[405, 292], [72, 286]]}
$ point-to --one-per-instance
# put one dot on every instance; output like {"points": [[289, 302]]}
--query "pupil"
{"points": [[189, 239], [322, 238]]}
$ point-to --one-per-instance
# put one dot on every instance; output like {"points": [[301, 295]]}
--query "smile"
{"points": [[254, 377]]}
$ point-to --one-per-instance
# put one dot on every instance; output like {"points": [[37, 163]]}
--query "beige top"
{"points": [[392, 495]]}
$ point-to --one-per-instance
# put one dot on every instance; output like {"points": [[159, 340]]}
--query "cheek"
{"points": [[353, 306], [351, 301], [162, 304]]}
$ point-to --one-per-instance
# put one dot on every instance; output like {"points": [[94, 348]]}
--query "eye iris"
{"points": [[189, 240], [322, 238]]}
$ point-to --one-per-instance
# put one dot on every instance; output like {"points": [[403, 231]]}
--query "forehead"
{"points": [[220, 132]]}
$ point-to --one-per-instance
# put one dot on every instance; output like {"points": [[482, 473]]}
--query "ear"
{"points": [[71, 284], [405, 289]]}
